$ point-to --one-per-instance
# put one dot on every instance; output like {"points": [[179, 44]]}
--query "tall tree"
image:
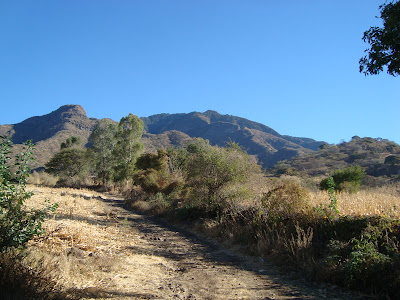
{"points": [[128, 146], [103, 140], [385, 43]]}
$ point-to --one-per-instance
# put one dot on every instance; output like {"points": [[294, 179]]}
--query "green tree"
{"points": [[67, 163], [128, 146], [17, 223], [385, 43], [103, 140]]}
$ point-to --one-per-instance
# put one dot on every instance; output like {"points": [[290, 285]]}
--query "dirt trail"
{"points": [[112, 253]]}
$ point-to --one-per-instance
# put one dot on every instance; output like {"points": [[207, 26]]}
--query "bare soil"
{"points": [[97, 248]]}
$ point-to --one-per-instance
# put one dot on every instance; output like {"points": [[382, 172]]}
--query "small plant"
{"points": [[17, 224], [332, 195]]}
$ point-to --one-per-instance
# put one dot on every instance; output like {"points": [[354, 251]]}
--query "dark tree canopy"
{"points": [[385, 43]]}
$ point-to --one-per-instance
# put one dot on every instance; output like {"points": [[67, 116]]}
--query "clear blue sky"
{"points": [[291, 65]]}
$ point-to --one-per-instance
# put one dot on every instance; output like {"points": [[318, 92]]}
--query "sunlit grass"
{"points": [[380, 201]]}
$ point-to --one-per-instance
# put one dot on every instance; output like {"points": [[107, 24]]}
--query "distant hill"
{"points": [[162, 131], [379, 157], [257, 139]]}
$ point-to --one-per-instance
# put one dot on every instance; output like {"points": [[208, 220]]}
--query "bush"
{"points": [[211, 173], [288, 200], [156, 173], [42, 178], [392, 160], [348, 179], [17, 224]]}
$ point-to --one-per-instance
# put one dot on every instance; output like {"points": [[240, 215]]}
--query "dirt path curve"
{"points": [[150, 259]]}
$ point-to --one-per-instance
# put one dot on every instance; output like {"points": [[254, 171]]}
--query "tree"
{"points": [[17, 223], [385, 43], [67, 163], [128, 146], [103, 140]]}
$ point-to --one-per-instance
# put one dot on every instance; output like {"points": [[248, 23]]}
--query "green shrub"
{"points": [[348, 179], [17, 224]]}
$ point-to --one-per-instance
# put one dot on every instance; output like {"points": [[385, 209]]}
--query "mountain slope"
{"points": [[257, 139], [48, 131], [162, 131]]}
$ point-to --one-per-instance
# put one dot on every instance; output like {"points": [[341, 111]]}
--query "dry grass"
{"points": [[381, 201], [42, 178], [83, 239]]}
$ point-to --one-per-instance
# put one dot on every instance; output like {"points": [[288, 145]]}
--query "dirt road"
{"points": [[111, 253]]}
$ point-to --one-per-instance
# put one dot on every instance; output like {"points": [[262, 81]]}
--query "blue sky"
{"points": [[291, 65]]}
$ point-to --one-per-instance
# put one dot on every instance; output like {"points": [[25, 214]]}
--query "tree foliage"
{"points": [[67, 163], [128, 146], [384, 42], [17, 223], [103, 140]]}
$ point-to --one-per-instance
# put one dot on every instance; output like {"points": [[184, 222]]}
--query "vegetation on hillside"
{"points": [[378, 157]]}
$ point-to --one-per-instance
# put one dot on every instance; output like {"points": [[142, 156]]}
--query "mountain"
{"points": [[257, 139], [49, 131], [162, 131]]}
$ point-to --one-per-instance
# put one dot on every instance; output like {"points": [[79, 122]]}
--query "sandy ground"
{"points": [[95, 246]]}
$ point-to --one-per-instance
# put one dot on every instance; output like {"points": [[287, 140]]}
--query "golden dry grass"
{"points": [[381, 201], [86, 247]]}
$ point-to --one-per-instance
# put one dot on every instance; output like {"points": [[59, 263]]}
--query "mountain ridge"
{"points": [[163, 131]]}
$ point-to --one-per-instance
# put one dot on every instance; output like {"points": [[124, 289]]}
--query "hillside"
{"points": [[48, 131], [162, 131], [257, 139], [379, 157]]}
